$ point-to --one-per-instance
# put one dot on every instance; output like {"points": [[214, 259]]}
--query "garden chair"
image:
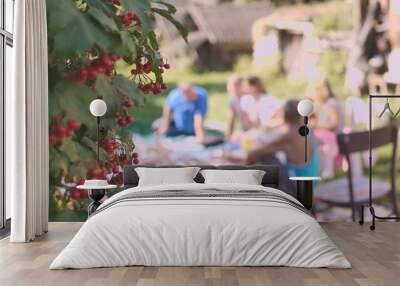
{"points": [[352, 191]]}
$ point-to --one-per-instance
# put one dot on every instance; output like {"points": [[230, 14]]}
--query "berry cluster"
{"points": [[122, 122], [76, 193], [129, 18], [97, 173], [145, 83], [102, 65], [109, 145], [62, 131], [127, 102]]}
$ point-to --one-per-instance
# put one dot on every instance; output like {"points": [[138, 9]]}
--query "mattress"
{"points": [[201, 225]]}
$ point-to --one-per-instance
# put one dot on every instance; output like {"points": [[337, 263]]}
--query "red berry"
{"points": [[103, 175], [139, 68], [107, 62], [81, 181], [122, 122], [129, 119], [73, 124], [91, 72], [100, 69], [75, 194], [147, 67], [83, 75], [52, 139], [135, 155], [114, 58], [109, 141], [69, 133], [129, 15], [113, 2], [95, 173], [117, 114], [60, 131], [83, 193], [127, 18], [167, 66], [128, 103], [135, 161]]}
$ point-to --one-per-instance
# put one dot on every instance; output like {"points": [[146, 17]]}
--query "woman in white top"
{"points": [[257, 108]]}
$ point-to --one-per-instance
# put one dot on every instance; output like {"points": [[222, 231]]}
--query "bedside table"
{"points": [[96, 194], [304, 192]]}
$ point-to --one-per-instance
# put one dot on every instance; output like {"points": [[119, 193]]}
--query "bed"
{"points": [[198, 224]]}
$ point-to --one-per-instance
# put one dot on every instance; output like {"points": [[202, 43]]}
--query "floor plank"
{"points": [[375, 257]]}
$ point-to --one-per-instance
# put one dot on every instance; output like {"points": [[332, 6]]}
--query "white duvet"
{"points": [[200, 231]]}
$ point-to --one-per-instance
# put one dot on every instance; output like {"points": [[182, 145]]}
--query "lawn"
{"points": [[277, 85], [214, 83]]}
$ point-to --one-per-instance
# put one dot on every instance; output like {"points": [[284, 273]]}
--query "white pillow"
{"points": [[166, 176], [248, 177]]}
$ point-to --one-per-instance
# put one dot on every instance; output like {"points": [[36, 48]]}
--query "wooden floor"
{"points": [[375, 257]]}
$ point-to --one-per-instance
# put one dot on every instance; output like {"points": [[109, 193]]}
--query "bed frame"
{"points": [[270, 179]]}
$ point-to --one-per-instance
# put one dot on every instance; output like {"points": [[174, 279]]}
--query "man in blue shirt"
{"points": [[184, 112]]}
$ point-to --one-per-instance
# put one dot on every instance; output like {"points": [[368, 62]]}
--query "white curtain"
{"points": [[27, 172]]}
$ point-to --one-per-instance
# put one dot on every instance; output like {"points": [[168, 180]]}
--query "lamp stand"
{"points": [[98, 138], [304, 131]]}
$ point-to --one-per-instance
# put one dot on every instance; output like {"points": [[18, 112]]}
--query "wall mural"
{"points": [[98, 49]]}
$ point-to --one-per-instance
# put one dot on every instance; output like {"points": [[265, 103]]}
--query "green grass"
{"points": [[215, 84], [278, 85]]}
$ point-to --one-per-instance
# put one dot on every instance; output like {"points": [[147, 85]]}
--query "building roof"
{"points": [[221, 24], [228, 23]]}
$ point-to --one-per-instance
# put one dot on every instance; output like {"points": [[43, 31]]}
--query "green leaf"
{"points": [[128, 87], [108, 9], [74, 31], [153, 40], [107, 22], [171, 8], [74, 99], [167, 15], [142, 8], [129, 43], [103, 88]]}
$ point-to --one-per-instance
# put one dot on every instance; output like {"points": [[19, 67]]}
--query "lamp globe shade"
{"points": [[98, 107], [305, 107]]}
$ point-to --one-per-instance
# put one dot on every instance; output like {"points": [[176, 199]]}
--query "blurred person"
{"points": [[257, 107], [234, 89], [328, 122], [291, 143], [329, 113], [184, 112]]}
